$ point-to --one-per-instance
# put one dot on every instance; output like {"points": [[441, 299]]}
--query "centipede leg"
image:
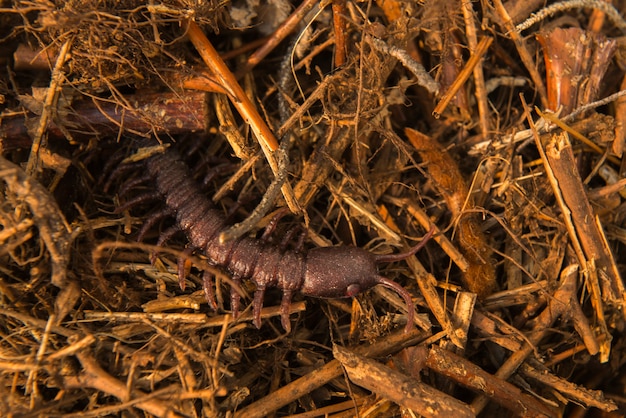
{"points": [[142, 198], [215, 171], [184, 265], [163, 238], [300, 243], [167, 234], [153, 218], [132, 183], [234, 296], [285, 305], [119, 171], [289, 237], [112, 170], [257, 305], [209, 293], [271, 225]]}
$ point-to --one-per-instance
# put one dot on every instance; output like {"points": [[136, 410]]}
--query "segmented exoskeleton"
{"points": [[329, 272]]}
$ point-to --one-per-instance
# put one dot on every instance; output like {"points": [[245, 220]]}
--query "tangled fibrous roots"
{"points": [[117, 42]]}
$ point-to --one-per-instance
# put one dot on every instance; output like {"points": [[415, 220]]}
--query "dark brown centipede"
{"points": [[328, 272]]}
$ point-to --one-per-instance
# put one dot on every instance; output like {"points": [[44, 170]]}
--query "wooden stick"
{"points": [[149, 114], [580, 394], [306, 384], [339, 30], [558, 304], [406, 391], [466, 373], [561, 159]]}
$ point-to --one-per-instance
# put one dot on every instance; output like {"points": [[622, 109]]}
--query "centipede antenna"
{"points": [[410, 306], [388, 258]]}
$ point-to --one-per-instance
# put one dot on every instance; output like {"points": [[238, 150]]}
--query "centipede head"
{"points": [[338, 272]]}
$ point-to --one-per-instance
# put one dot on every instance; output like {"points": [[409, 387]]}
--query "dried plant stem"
{"points": [[199, 319], [611, 12], [471, 376], [242, 103], [240, 100], [596, 21], [279, 34], [339, 29], [471, 64], [480, 276], [562, 162], [602, 102], [523, 52], [579, 219], [53, 228], [322, 375], [423, 78], [48, 108], [401, 389], [479, 77]]}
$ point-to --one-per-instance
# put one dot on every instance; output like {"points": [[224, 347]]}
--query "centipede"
{"points": [[341, 271]]}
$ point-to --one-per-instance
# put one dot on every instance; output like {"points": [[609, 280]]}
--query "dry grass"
{"points": [[520, 302]]}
